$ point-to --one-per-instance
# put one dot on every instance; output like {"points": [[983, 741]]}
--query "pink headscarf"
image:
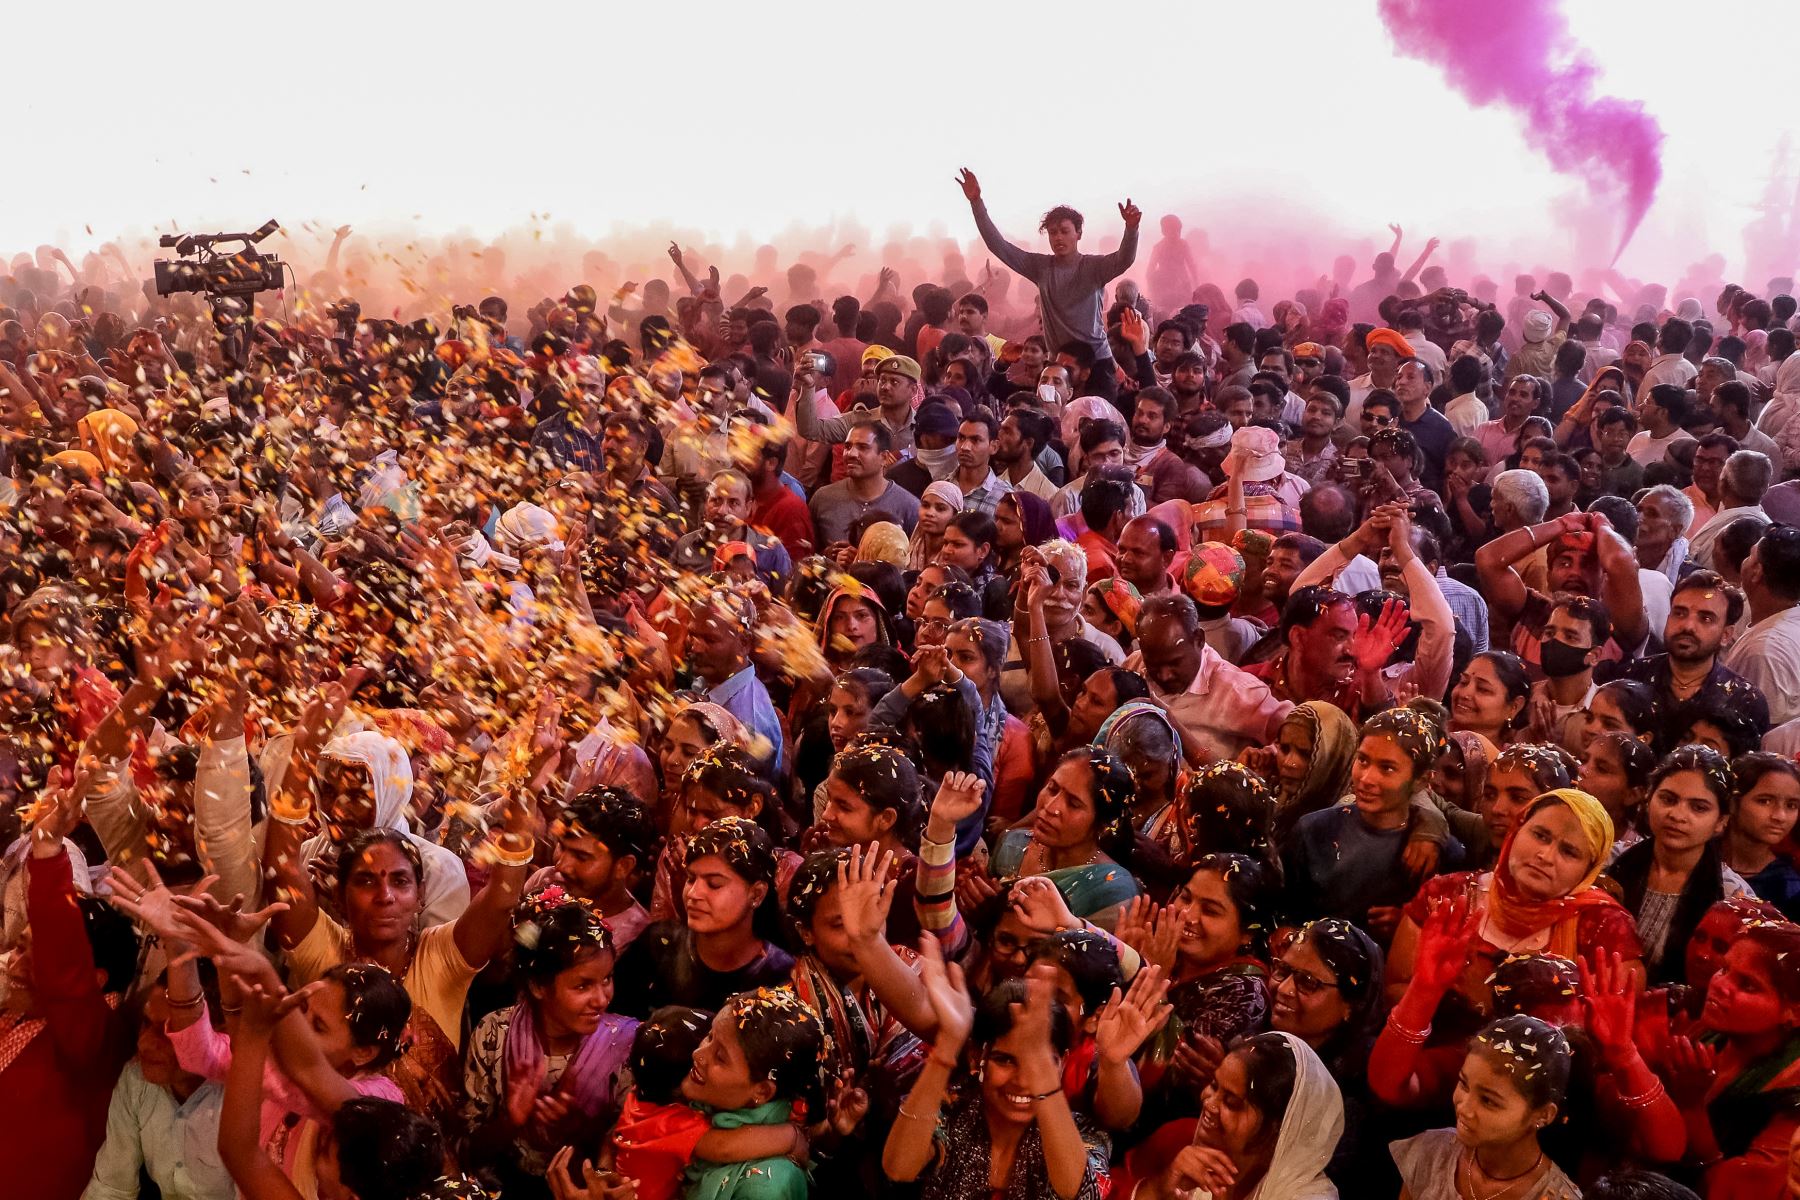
{"points": [[1756, 350], [1332, 323]]}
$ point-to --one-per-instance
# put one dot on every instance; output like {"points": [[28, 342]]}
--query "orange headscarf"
{"points": [[106, 433]]}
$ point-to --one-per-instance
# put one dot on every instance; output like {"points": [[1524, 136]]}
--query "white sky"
{"points": [[728, 118]]}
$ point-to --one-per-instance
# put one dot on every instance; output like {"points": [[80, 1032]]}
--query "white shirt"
{"points": [[1755, 439], [1359, 575], [1037, 483], [1768, 656], [1700, 544], [1466, 414], [1428, 352], [1647, 451], [1667, 368]]}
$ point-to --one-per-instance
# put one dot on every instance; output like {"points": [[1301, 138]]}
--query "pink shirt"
{"points": [[206, 1052], [1226, 708]]}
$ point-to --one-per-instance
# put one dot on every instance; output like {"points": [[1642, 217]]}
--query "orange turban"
{"points": [[1392, 339]]}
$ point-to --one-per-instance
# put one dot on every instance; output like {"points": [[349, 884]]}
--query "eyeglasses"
{"points": [[1309, 986], [1381, 420]]}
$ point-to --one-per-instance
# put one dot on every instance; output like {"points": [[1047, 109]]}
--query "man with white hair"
{"points": [[1520, 499], [1663, 513], [1747, 475], [1062, 620]]}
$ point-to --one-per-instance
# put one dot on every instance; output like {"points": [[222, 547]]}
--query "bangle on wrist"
{"points": [[1413, 1037], [196, 1002], [496, 848]]}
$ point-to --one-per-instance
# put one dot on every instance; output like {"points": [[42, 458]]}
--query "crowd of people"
{"points": [[1047, 735]]}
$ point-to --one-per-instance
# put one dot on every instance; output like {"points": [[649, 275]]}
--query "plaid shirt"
{"points": [[986, 498], [1468, 607], [1262, 510]]}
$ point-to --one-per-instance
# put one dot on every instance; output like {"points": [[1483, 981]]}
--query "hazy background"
{"points": [[1288, 131]]}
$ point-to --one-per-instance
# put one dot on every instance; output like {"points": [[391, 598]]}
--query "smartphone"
{"points": [[818, 362]]}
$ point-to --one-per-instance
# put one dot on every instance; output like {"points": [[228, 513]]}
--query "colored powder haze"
{"points": [[1519, 53], [579, 139]]}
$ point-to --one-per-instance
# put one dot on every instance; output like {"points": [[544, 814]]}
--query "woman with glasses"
{"points": [[1325, 990]]}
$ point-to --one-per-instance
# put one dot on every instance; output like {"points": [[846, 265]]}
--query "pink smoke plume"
{"points": [[1519, 53]]}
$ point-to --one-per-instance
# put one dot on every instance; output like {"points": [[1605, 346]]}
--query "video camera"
{"points": [[202, 267]]}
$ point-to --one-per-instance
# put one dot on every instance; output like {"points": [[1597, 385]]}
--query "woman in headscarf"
{"points": [[1309, 764], [1294, 322], [1459, 782], [1540, 898], [365, 781], [853, 617], [1021, 519], [1332, 323], [937, 504], [1325, 989], [1080, 836], [106, 433], [1756, 352], [1269, 1123], [884, 542], [1146, 741]]}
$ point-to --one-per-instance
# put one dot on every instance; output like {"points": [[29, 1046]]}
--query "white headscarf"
{"points": [[1309, 1135], [526, 525], [390, 773]]}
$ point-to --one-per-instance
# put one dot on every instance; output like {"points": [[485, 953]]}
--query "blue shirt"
{"points": [[745, 697], [569, 445]]}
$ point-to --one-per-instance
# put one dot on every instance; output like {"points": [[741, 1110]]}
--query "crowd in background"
{"points": [[1074, 732]]}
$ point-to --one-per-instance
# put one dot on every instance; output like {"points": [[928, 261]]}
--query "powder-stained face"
{"points": [[1742, 998]]}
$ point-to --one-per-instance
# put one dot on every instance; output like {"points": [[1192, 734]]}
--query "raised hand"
{"points": [[1127, 1022], [1375, 641], [153, 906], [1396, 230], [266, 1002], [847, 1105], [675, 253], [1040, 905], [1196, 1060], [229, 919], [1609, 995], [958, 796], [1449, 931], [1131, 328], [971, 187], [1153, 930], [1131, 213], [866, 892], [974, 889], [947, 994]]}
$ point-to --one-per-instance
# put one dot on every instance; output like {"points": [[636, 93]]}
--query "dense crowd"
{"points": [[1037, 736]]}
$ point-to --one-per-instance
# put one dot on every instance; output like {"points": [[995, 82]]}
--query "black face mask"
{"points": [[1562, 660]]}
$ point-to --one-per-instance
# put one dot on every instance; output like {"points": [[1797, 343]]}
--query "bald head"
{"points": [[1328, 513]]}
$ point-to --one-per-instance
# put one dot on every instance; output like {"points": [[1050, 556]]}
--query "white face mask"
{"points": [[1048, 393], [941, 463]]}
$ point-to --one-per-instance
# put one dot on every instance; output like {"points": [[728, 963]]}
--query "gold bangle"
{"points": [[509, 858], [291, 814]]}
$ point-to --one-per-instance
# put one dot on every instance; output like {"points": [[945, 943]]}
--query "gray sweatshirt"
{"points": [[1071, 297]]}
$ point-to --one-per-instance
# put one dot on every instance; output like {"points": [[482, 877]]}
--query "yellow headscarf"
{"points": [[1515, 915]]}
